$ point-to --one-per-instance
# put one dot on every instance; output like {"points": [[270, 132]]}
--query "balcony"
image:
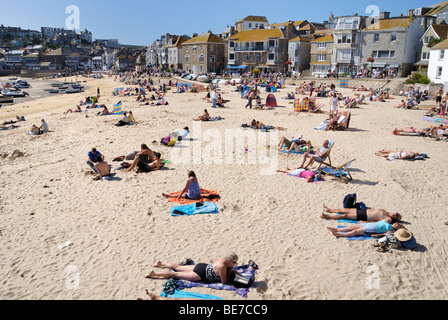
{"points": [[249, 49], [272, 62]]}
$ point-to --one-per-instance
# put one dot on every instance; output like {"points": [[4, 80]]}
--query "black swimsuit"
{"points": [[206, 272]]}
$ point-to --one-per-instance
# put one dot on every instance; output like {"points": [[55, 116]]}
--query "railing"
{"points": [[242, 49]]}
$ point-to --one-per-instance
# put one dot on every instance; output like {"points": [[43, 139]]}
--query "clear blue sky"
{"points": [[141, 22]]}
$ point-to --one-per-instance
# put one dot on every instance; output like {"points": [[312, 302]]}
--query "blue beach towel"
{"points": [[366, 236], [195, 208], [189, 295]]}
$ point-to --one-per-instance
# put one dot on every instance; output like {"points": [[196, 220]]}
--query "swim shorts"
{"points": [[361, 214]]}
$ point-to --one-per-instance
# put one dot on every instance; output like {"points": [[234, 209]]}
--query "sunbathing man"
{"points": [[318, 156], [373, 229], [204, 117], [397, 155], [145, 155], [285, 142], [218, 272], [102, 168], [367, 215]]}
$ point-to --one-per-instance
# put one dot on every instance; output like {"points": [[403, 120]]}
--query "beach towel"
{"points": [[189, 295], [435, 120], [206, 193], [366, 236], [322, 126], [246, 270], [195, 208]]}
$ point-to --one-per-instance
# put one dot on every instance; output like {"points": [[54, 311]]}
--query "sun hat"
{"points": [[403, 235]]}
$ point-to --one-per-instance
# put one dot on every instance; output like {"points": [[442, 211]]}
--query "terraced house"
{"points": [[266, 50], [204, 53], [321, 55], [393, 43]]}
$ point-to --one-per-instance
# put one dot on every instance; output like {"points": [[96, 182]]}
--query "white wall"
{"points": [[434, 63]]}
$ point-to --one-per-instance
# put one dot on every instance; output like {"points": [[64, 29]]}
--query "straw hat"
{"points": [[403, 235]]}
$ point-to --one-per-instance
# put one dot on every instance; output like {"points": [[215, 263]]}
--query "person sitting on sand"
{"points": [[126, 120], [145, 155], [318, 156], [373, 229], [102, 168], [152, 166], [309, 176], [367, 215], [218, 272], [287, 143], [204, 117], [104, 112], [35, 131], [44, 128], [192, 191], [396, 155], [78, 109], [402, 104], [92, 158]]}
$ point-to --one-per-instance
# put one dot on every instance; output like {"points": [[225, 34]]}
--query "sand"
{"points": [[119, 228]]}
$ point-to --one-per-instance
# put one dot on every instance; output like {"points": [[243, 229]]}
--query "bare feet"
{"points": [[324, 216], [326, 209], [158, 264], [152, 274], [165, 195]]}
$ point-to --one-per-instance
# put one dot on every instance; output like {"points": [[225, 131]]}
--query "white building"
{"points": [[438, 63]]}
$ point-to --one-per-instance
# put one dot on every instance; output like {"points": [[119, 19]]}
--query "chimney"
{"points": [[195, 35], [290, 29], [384, 15]]}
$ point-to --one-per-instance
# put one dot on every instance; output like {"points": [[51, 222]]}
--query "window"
{"points": [[439, 72], [258, 57], [231, 44], [187, 49], [442, 54], [187, 58], [211, 47], [346, 38], [201, 70], [321, 57], [194, 48], [322, 45], [376, 37], [272, 43], [383, 54], [231, 56], [271, 56], [425, 56], [250, 25], [246, 57], [212, 59], [292, 46], [393, 37], [345, 54], [201, 58], [201, 48], [426, 40]]}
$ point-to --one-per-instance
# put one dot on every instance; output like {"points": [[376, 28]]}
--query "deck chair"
{"points": [[343, 122], [341, 173], [327, 160]]}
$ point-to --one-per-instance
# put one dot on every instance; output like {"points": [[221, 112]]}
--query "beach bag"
{"points": [[350, 201]]}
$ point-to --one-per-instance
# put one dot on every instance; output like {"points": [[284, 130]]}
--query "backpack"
{"points": [[350, 201]]}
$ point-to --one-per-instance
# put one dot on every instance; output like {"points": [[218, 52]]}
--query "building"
{"points": [[204, 53], [14, 58], [266, 50], [10, 33], [297, 24], [321, 55], [435, 33], [299, 53], [251, 23], [438, 63], [439, 11], [175, 52], [392, 43], [346, 57]]}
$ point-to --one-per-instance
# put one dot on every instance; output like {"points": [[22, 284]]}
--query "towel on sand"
{"points": [[189, 295], [206, 193], [195, 208], [366, 236]]}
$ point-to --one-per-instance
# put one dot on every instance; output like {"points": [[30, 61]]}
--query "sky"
{"points": [[140, 22]]}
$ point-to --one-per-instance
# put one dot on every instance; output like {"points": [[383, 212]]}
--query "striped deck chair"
{"points": [[327, 160], [341, 173], [301, 105], [297, 105]]}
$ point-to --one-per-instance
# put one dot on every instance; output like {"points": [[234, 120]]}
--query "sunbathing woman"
{"points": [[373, 229], [300, 173], [218, 272], [192, 191], [391, 155]]}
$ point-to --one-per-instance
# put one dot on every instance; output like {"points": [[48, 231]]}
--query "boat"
{"points": [[6, 100], [16, 94], [204, 79], [74, 89]]}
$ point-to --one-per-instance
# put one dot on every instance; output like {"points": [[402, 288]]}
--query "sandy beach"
{"points": [[120, 228]]}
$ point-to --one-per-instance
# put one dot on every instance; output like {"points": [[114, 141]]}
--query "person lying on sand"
{"points": [[367, 215], [374, 229], [397, 155], [301, 173], [218, 272]]}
